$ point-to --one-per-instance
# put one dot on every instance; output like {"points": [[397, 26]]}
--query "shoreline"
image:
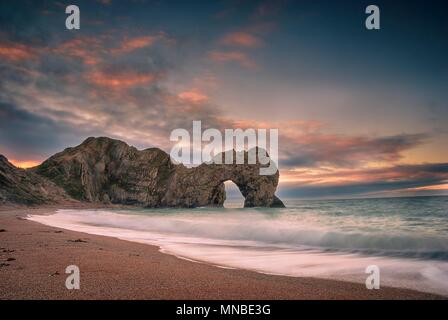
{"points": [[112, 268]]}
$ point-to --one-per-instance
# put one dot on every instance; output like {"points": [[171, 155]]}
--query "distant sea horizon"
{"points": [[363, 197]]}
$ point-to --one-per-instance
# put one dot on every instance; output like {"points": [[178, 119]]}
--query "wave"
{"points": [[273, 243], [265, 230]]}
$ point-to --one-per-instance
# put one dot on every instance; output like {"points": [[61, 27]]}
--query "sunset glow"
{"points": [[24, 164], [346, 115]]}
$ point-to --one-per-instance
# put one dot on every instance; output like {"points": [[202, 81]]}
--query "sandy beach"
{"points": [[33, 259]]}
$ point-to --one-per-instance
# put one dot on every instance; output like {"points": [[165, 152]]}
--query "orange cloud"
{"points": [[233, 56], [119, 80], [303, 143], [425, 173], [193, 96], [86, 49], [132, 44], [242, 39], [430, 188], [16, 52]]}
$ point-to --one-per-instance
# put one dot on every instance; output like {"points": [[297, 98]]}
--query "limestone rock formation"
{"points": [[204, 185], [110, 171], [19, 186], [107, 170]]}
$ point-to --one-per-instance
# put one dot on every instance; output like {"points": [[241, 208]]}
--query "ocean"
{"points": [[407, 238]]}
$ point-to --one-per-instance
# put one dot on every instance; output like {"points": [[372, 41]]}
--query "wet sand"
{"points": [[33, 258]]}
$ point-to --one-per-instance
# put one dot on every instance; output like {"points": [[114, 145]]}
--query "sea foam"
{"points": [[298, 241]]}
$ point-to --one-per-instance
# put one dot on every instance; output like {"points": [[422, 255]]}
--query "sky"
{"points": [[360, 113]]}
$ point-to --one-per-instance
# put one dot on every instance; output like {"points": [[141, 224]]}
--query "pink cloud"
{"points": [[131, 44], [16, 52], [305, 144], [89, 50], [118, 80], [193, 96], [241, 39], [92, 51], [425, 174]]}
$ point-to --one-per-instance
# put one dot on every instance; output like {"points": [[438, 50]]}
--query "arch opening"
{"points": [[234, 197]]}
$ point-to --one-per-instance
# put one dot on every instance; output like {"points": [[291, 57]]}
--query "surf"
{"points": [[308, 239]]}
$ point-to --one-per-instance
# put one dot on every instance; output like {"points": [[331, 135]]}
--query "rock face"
{"points": [[106, 170], [204, 185], [110, 171], [19, 186]]}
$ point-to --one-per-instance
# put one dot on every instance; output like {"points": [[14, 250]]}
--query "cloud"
{"points": [[105, 48], [16, 52], [193, 96], [87, 49], [96, 50], [126, 99], [118, 79], [90, 50], [131, 44], [288, 127], [238, 57], [401, 179], [321, 149], [108, 84], [305, 143], [241, 39], [337, 175], [120, 100], [26, 137]]}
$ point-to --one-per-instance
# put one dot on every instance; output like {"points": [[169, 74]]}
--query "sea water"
{"points": [[407, 238]]}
